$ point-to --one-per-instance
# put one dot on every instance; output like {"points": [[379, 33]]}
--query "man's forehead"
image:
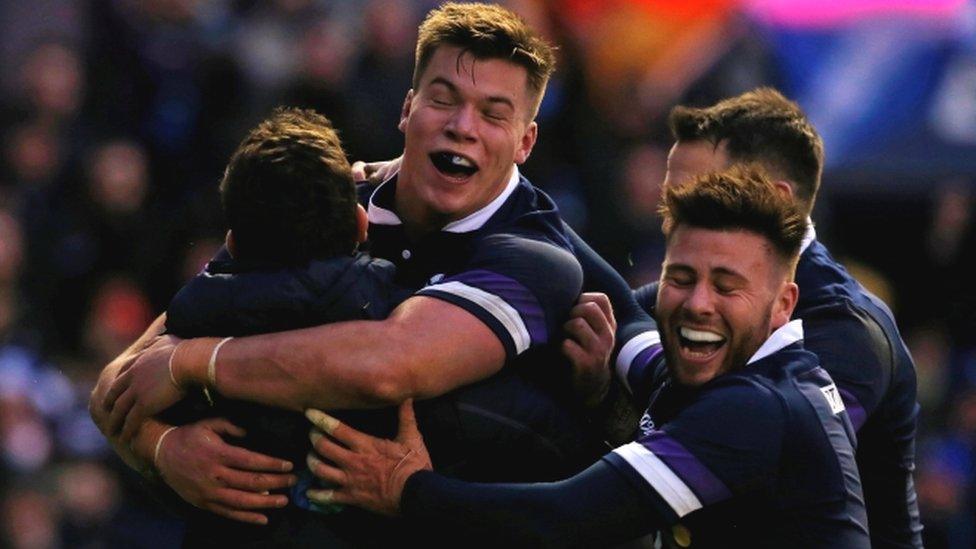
{"points": [[699, 156], [456, 63], [690, 244]]}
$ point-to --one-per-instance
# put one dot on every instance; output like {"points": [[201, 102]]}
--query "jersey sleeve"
{"points": [[521, 288], [638, 345], [854, 349], [726, 443], [598, 507]]}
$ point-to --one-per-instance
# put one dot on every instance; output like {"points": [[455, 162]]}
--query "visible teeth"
{"points": [[458, 160], [699, 336]]}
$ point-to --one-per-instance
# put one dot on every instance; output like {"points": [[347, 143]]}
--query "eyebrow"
{"points": [[495, 99], [717, 271]]}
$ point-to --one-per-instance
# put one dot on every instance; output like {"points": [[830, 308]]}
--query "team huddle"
{"points": [[421, 350]]}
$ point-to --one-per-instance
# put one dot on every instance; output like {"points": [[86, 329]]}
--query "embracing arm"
{"points": [[425, 348], [597, 507]]}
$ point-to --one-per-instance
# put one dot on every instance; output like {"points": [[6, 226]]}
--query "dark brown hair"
{"points": [[288, 191], [740, 198], [488, 32], [760, 126]]}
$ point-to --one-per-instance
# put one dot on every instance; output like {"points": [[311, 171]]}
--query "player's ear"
{"points": [[784, 188], [405, 111], [362, 224], [784, 304], [526, 143], [230, 243]]}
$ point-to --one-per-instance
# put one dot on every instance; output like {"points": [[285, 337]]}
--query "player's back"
{"points": [[855, 336]]}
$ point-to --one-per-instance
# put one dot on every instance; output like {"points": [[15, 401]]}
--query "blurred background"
{"points": [[117, 117]]}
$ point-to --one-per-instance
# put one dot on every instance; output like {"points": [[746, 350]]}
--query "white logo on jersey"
{"points": [[435, 279], [833, 398], [646, 424]]}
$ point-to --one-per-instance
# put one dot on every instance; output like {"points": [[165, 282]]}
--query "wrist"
{"points": [[146, 441], [190, 360]]}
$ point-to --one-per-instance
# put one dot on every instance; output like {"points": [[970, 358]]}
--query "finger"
{"points": [[594, 316], [256, 482], [325, 471], [120, 410], [338, 430], [582, 332], [408, 422], [603, 301], [240, 500], [359, 171], [133, 420], [330, 450], [115, 391], [576, 355], [240, 516], [249, 460], [222, 426]]}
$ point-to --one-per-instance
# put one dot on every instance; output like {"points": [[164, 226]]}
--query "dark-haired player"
{"points": [[851, 331]]}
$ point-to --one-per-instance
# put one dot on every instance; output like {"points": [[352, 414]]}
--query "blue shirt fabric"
{"points": [[762, 456]]}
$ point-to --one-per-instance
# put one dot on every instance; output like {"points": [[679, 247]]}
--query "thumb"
{"points": [[408, 422]]}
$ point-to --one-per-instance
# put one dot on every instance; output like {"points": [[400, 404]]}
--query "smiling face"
{"points": [[466, 125], [722, 293]]}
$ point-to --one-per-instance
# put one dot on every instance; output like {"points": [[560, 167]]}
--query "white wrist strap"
{"points": [[159, 444], [212, 370]]}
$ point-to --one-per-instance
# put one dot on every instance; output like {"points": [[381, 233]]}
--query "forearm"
{"points": [[345, 365], [597, 507]]}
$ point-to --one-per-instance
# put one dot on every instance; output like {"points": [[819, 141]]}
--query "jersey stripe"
{"points": [[630, 351], [497, 307], [662, 479]]}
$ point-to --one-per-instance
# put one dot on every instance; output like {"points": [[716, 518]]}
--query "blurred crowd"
{"points": [[117, 117]]}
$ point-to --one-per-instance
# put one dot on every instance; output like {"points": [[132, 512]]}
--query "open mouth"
{"points": [[699, 343], [453, 165]]}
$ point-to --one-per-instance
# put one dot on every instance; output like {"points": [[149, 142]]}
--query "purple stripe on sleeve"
{"points": [[854, 409], [642, 368], [512, 292], [709, 488]]}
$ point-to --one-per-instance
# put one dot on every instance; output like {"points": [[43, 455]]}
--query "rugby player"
{"points": [[750, 444], [851, 331], [489, 253]]}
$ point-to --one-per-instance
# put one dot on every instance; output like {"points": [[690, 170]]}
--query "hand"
{"points": [[375, 172], [591, 328], [369, 472], [142, 389], [213, 475]]}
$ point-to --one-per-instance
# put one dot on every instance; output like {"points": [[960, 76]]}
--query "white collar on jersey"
{"points": [[785, 335], [808, 237], [382, 216]]}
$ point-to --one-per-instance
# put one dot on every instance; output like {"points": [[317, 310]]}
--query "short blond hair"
{"points": [[488, 32]]}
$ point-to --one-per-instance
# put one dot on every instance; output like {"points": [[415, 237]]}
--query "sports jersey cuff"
{"points": [[637, 359]]}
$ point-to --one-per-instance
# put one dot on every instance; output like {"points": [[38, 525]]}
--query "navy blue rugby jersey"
{"points": [[510, 264], [854, 335], [762, 456]]}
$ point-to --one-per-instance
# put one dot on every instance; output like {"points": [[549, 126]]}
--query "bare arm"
{"points": [[426, 347]]}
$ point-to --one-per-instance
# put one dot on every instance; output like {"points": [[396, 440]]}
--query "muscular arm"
{"points": [[425, 348]]}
